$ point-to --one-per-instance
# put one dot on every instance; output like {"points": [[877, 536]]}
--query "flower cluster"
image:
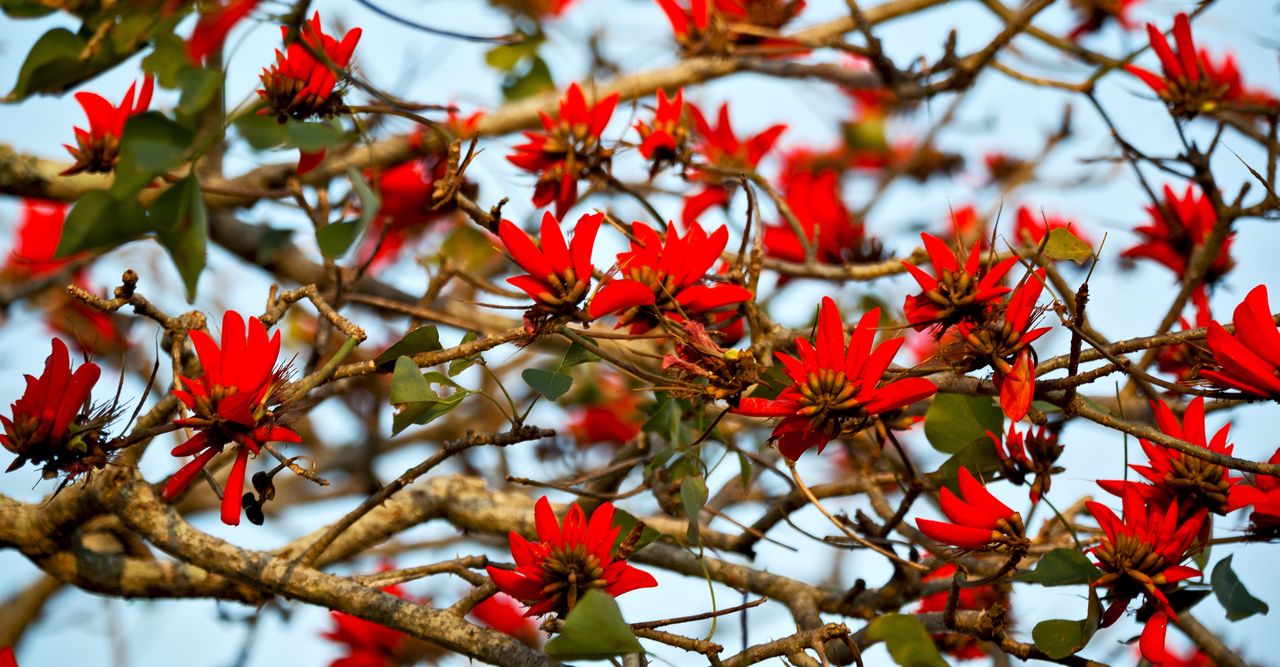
{"points": [[1030, 454], [98, 149], [1179, 227], [568, 149], [665, 139], [560, 273], [836, 235], [231, 405], [956, 293], [1264, 495], [299, 85], [721, 153]]}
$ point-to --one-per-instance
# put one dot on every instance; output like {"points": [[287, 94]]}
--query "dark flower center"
{"points": [[571, 571], [284, 96], [956, 296], [831, 403], [1206, 482], [1131, 565]]}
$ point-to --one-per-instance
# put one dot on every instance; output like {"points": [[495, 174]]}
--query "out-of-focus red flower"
{"points": [[537, 9], [1172, 239], [366, 644], [553, 573], [954, 293], [723, 153], [98, 148], [967, 227], [1031, 227], [38, 234], [1002, 167], [567, 149], [980, 522], [94, 332], [707, 27], [815, 201], [1173, 476], [214, 25], [1192, 83], [1142, 555], [1029, 454], [463, 127], [975, 598], [1264, 495], [505, 614], [835, 388], [1196, 658], [1094, 14], [6, 657], [611, 416], [230, 403], [667, 279], [407, 193], [559, 273], [1249, 359], [664, 139], [53, 424], [1184, 360]]}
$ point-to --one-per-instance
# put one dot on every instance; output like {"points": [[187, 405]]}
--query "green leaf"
{"points": [[978, 456], [665, 420], [152, 145], [550, 384], [167, 60], [693, 495], [594, 630], [335, 239], [422, 339], [908, 642], [1060, 638], [1061, 567], [458, 365], [416, 401], [535, 79], [98, 220], [955, 420], [199, 88], [1231, 593], [577, 354], [24, 9], [625, 521], [744, 471], [1062, 244], [179, 218], [312, 137], [262, 132], [53, 63]]}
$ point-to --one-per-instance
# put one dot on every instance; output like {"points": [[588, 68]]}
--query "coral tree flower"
{"points": [[722, 150], [1192, 83], [568, 148], [1249, 359], [610, 414], [38, 233], [665, 138], [1094, 14], [1030, 228], [503, 613], [53, 424], [230, 403], [1264, 495], [834, 389], [1184, 360], [824, 220], [1192, 482], [1177, 229], [98, 149], [667, 279], [717, 26], [213, 26], [955, 293], [1030, 454], [567, 560], [1017, 386], [980, 522], [1142, 555], [365, 643], [974, 598], [6, 657], [559, 273]]}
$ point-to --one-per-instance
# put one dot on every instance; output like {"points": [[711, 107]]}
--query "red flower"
{"points": [[711, 26], [976, 598], [299, 85], [38, 234], [1249, 360], [503, 613], [98, 148], [1184, 360], [1017, 385], [721, 149], [212, 28], [1264, 495], [230, 402], [980, 522], [1171, 241], [1227, 73], [92, 331], [367, 644], [1030, 454], [1194, 483], [956, 294], [568, 149], [1142, 555], [53, 424], [1031, 228], [407, 193], [6, 657], [815, 200], [1094, 14], [1002, 167], [834, 389], [667, 279], [537, 9], [611, 416], [664, 139], [559, 273], [552, 574]]}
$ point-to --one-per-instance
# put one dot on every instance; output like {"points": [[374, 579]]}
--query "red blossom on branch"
{"points": [[668, 279], [1177, 229], [665, 138], [36, 243], [505, 614], [365, 643], [1264, 495], [979, 521], [567, 560], [815, 201], [213, 26], [6, 657], [610, 414], [969, 598], [53, 424], [1031, 227], [1184, 360], [1094, 14], [1032, 453], [835, 389], [98, 149], [230, 403], [1249, 359], [954, 293], [723, 154], [568, 149], [560, 273]]}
